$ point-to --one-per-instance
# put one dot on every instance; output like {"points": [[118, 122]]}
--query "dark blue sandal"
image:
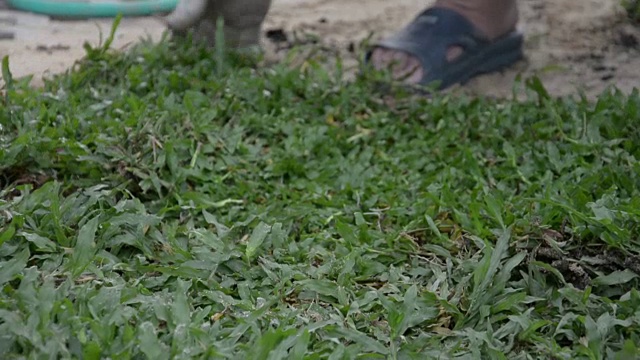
{"points": [[436, 30]]}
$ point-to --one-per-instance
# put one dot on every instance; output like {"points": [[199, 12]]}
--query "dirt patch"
{"points": [[17, 176], [587, 44], [580, 266]]}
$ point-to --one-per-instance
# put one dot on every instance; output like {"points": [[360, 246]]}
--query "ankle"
{"points": [[242, 20], [494, 18]]}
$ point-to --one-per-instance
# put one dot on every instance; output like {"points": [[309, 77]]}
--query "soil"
{"points": [[586, 45]]}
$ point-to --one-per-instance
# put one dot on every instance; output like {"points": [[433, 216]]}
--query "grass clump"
{"points": [[152, 206], [633, 9]]}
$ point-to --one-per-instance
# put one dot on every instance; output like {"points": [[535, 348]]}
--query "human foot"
{"points": [[242, 20], [452, 42]]}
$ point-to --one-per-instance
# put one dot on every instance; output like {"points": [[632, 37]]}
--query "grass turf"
{"points": [[172, 203]]}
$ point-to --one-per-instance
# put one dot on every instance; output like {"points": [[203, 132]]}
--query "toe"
{"points": [[380, 58], [416, 72], [402, 66]]}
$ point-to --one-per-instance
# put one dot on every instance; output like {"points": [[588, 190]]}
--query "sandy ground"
{"points": [[585, 44]]}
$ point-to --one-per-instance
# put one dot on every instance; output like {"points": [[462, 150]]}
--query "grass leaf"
{"points": [[11, 268], [85, 247], [256, 239], [615, 278]]}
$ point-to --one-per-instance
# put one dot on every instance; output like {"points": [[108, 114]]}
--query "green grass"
{"points": [[633, 9], [160, 204]]}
